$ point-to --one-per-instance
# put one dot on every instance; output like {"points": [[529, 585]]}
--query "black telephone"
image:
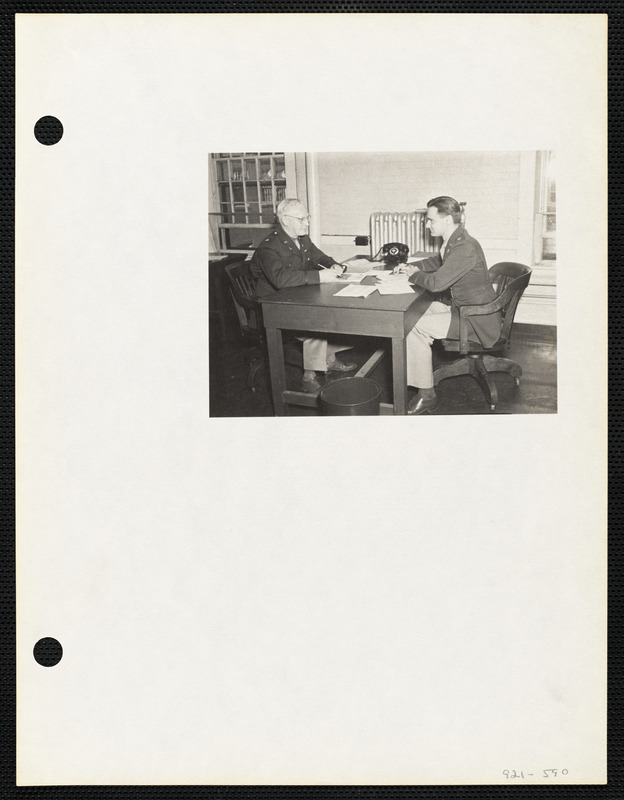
{"points": [[392, 254]]}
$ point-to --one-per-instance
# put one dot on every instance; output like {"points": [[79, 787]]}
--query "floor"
{"points": [[534, 347]]}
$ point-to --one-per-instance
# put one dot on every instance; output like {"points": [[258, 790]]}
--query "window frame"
{"points": [[545, 210]]}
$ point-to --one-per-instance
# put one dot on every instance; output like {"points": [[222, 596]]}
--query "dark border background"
{"points": [[615, 787]]}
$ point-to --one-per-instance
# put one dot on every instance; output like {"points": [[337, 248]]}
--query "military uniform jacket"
{"points": [[279, 263], [463, 270]]}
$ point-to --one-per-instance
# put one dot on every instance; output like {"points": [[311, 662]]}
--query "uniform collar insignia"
{"points": [[455, 237]]}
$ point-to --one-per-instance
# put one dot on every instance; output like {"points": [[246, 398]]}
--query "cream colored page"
{"points": [[232, 609]]}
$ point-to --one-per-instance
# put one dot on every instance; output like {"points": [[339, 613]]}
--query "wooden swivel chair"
{"points": [[509, 280], [249, 311]]}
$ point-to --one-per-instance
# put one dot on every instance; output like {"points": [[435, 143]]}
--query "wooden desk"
{"points": [[314, 308]]}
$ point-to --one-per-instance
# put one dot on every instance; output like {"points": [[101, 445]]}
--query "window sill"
{"points": [[544, 273]]}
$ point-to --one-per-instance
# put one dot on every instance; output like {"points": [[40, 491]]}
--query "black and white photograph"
{"points": [[437, 306]]}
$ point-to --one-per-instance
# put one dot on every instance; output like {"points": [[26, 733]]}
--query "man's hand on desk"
{"points": [[330, 274]]}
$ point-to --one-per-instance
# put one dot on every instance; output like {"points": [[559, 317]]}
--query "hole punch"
{"points": [[48, 652], [48, 130]]}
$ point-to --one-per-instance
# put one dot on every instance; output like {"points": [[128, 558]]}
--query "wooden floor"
{"points": [[534, 347]]}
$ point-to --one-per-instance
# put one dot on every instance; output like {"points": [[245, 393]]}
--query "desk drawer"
{"points": [[360, 321]]}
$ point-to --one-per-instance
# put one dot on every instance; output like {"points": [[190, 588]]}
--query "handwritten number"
{"points": [[546, 773]]}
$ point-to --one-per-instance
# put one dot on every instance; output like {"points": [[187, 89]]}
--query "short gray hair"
{"points": [[286, 205]]}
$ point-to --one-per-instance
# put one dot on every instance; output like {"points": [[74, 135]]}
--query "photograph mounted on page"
{"points": [[285, 252]]}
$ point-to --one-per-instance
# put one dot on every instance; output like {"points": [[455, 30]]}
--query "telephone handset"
{"points": [[393, 253]]}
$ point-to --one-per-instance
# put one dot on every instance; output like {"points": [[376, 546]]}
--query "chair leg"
{"points": [[479, 367], [485, 382], [460, 367], [494, 364], [254, 368]]}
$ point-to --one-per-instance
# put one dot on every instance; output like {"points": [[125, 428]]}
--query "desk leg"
{"points": [[276, 366], [399, 376]]}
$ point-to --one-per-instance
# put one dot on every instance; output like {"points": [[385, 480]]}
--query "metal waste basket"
{"points": [[350, 397]]}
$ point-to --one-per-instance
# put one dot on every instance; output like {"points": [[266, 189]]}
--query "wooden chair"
{"points": [[249, 311], [217, 296], [510, 280]]}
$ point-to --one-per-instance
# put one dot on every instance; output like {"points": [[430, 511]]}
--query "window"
{"points": [[245, 191], [546, 216]]}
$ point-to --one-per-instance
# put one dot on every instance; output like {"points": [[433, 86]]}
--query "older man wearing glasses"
{"points": [[287, 257]]}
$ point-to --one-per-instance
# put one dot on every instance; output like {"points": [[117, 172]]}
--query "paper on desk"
{"points": [[362, 264], [394, 284], [365, 264], [354, 290], [389, 277], [351, 277], [395, 288]]}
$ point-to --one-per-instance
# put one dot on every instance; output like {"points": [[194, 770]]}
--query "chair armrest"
{"points": [[489, 308]]}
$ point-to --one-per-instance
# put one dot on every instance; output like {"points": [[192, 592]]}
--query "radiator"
{"points": [[407, 227]]}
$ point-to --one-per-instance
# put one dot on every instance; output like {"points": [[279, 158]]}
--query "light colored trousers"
{"points": [[315, 352], [434, 324]]}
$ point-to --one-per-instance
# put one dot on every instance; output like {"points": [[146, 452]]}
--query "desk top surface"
{"points": [[323, 296]]}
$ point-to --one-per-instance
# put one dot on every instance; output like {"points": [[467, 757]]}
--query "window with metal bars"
{"points": [[249, 187]]}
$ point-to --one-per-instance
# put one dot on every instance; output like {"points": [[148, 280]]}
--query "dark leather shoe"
{"points": [[419, 405], [341, 366]]}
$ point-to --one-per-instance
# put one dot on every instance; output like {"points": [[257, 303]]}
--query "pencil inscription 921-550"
{"points": [[545, 773]]}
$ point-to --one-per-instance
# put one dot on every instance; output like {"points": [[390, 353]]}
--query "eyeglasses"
{"points": [[301, 219]]}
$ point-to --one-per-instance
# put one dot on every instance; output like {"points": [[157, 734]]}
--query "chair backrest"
{"points": [[243, 288], [510, 279], [242, 282]]}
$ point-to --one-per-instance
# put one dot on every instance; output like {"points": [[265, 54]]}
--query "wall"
{"points": [[498, 188], [353, 185]]}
